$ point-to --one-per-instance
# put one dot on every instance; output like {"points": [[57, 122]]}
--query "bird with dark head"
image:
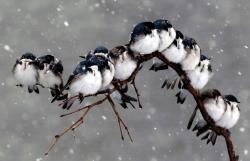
{"points": [[25, 72], [144, 38], [50, 71], [202, 73], [105, 64], [166, 32], [224, 111], [174, 53], [193, 53], [125, 64], [85, 80]]}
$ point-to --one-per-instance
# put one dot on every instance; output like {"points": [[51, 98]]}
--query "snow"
{"points": [[66, 23], [104, 117], [242, 129], [245, 152], [39, 159]]}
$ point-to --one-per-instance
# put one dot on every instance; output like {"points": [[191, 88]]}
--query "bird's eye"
{"points": [[158, 30], [20, 62]]}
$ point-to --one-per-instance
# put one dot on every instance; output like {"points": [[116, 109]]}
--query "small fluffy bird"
{"points": [[232, 112], [50, 71], [198, 77], [202, 73], [174, 53], [101, 56], [85, 80], [25, 72], [225, 112], [144, 38], [166, 32], [124, 62], [192, 58]]}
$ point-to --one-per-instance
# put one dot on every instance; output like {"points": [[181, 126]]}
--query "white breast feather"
{"points": [[87, 84], [124, 67], [27, 76], [230, 117], [174, 54], [192, 59], [166, 39], [199, 79], [49, 79], [108, 76], [146, 44], [215, 109]]}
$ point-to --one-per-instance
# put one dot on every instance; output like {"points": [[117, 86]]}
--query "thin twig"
{"points": [[119, 119]]}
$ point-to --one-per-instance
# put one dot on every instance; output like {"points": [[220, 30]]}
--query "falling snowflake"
{"points": [[66, 23], [39, 159], [245, 152], [104, 117]]}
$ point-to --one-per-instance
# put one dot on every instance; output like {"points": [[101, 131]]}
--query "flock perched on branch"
{"points": [[108, 72]]}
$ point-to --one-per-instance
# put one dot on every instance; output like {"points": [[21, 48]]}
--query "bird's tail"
{"points": [[158, 66], [191, 120], [67, 103], [33, 88], [181, 96]]}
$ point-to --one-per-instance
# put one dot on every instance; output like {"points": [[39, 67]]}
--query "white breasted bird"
{"points": [[50, 71], [144, 38], [232, 112], [202, 73], [25, 72], [224, 111], [166, 32], [192, 58], [198, 77], [176, 52], [101, 56], [124, 62], [85, 80]]}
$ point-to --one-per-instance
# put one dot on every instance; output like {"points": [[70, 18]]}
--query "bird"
{"points": [[50, 71], [232, 112], [125, 64], [101, 55], [124, 61], [166, 32], [85, 80], [225, 112], [202, 73], [192, 57], [198, 77], [174, 53], [144, 38], [25, 72]]}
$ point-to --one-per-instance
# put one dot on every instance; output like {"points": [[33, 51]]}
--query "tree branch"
{"points": [[196, 95], [220, 131]]}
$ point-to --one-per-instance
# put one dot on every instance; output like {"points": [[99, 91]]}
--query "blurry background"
{"points": [[68, 29]]}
